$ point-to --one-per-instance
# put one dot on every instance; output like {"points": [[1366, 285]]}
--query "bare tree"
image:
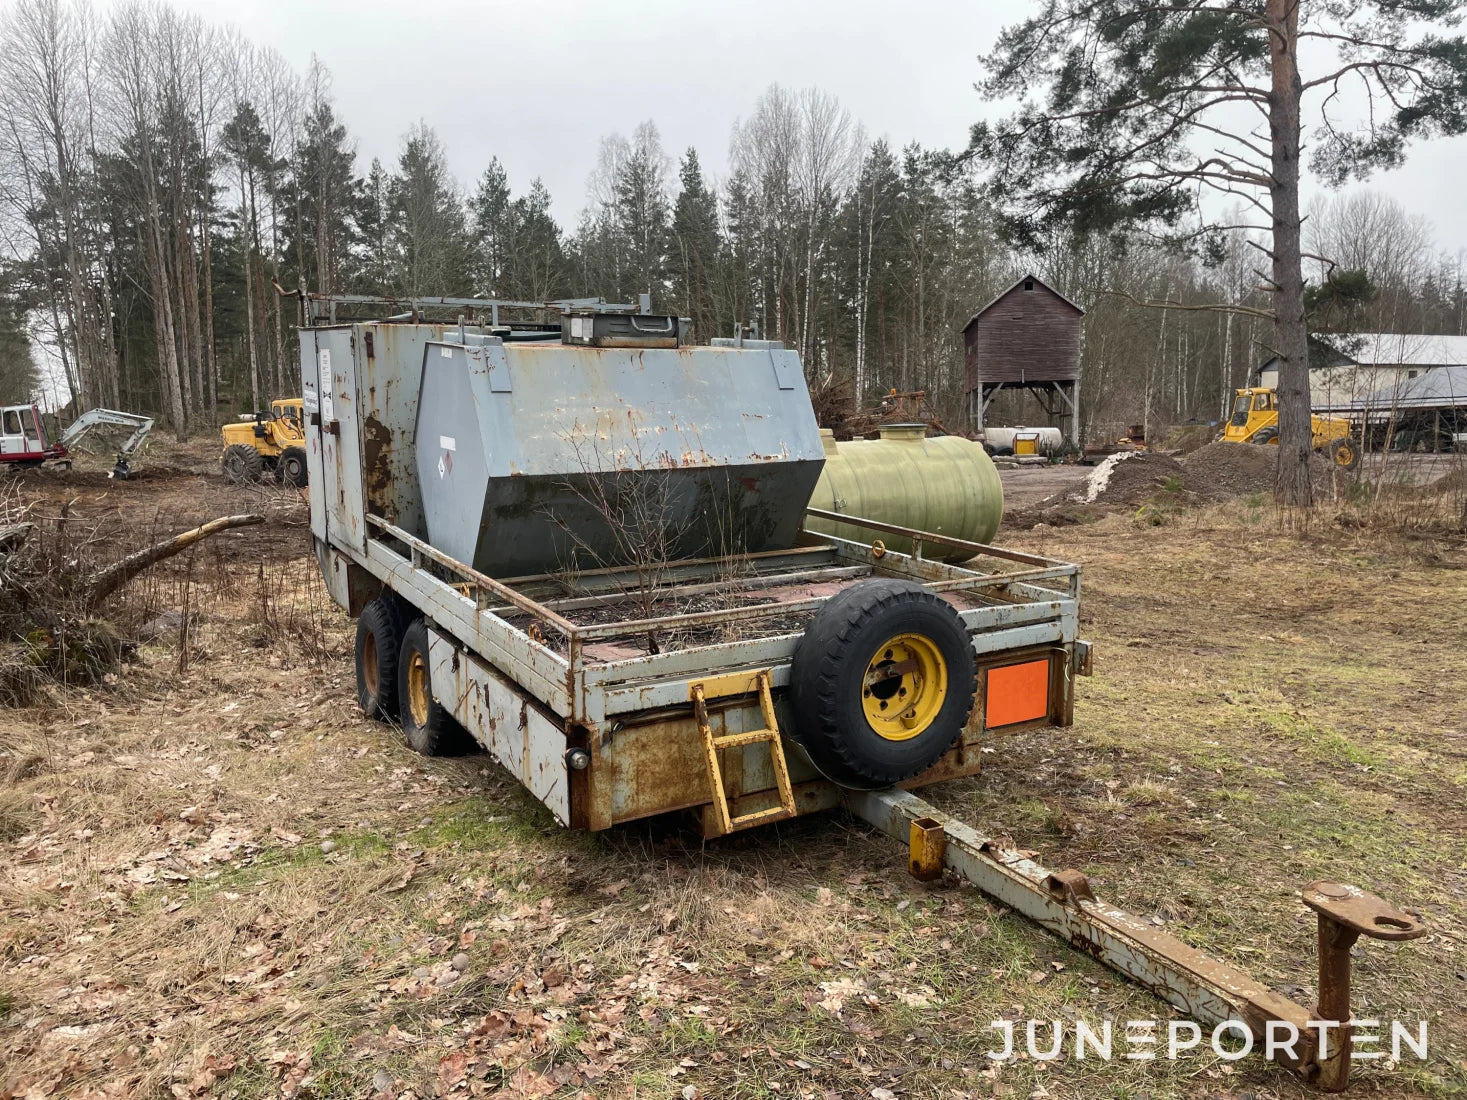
{"points": [[133, 88]]}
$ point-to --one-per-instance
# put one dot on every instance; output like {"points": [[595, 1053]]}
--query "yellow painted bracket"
{"points": [[928, 843], [741, 683]]}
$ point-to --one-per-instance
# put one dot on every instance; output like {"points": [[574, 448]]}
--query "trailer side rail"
{"points": [[1014, 608]]}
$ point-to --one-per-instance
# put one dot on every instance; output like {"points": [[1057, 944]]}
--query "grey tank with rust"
{"points": [[547, 457], [945, 485]]}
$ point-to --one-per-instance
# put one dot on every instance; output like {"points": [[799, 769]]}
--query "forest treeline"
{"points": [[160, 176]]}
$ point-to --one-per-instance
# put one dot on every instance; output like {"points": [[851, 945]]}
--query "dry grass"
{"points": [[217, 878]]}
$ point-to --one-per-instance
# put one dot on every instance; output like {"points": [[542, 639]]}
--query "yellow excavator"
{"points": [[256, 444], [1255, 419]]}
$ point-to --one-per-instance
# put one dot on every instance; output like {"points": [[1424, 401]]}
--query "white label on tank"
{"points": [[447, 353], [442, 468], [447, 442]]}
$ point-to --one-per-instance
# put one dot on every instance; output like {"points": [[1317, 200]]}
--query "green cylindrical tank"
{"points": [[946, 485]]}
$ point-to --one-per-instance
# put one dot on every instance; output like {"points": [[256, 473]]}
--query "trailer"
{"points": [[582, 546]]}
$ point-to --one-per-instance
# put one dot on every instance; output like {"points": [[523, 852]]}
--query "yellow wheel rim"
{"points": [[904, 687], [1344, 454], [419, 694], [369, 662]]}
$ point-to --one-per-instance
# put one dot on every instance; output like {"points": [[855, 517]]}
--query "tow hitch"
{"points": [[1206, 989]]}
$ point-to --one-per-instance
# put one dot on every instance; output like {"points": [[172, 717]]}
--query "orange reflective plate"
{"points": [[1016, 693]]}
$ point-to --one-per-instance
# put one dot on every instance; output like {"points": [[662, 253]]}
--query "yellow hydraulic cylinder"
{"points": [[945, 485]]}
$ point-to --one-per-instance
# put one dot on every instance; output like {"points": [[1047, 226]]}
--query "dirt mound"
{"points": [[1187, 438], [1224, 469], [1128, 477]]}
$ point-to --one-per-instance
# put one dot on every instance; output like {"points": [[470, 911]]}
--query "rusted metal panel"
{"points": [[503, 719], [546, 675], [337, 432], [543, 457], [311, 410], [389, 403]]}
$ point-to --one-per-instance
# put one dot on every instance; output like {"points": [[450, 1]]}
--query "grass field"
{"points": [[217, 878]]}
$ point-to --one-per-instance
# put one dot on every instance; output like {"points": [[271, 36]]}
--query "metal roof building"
{"points": [[1438, 387], [1402, 390], [1350, 371]]}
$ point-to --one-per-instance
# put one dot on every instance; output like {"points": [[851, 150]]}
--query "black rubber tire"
{"points": [[291, 467], [379, 640], [241, 463], [828, 678], [1266, 436], [433, 732]]}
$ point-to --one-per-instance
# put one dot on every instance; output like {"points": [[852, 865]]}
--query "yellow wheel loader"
{"points": [[256, 445], [1255, 419]]}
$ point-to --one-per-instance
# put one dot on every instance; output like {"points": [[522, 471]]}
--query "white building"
{"points": [[1349, 369], [1390, 383]]}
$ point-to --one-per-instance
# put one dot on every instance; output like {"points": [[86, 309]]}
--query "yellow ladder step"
{"points": [[701, 692]]}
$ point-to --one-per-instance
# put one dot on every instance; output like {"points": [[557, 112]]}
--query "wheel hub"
{"points": [[904, 687], [369, 662], [419, 693]]}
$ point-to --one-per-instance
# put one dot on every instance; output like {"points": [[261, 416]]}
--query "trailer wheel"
{"points": [[430, 729], [291, 468], [241, 463], [882, 683], [379, 639]]}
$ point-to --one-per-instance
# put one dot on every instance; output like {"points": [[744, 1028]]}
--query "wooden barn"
{"points": [[1027, 339]]}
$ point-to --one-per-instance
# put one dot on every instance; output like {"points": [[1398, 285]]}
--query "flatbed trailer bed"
{"points": [[564, 660]]}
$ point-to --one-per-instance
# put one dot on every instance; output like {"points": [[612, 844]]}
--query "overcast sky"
{"points": [[538, 83]]}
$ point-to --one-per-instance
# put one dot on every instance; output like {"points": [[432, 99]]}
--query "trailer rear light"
{"points": [[1016, 693]]}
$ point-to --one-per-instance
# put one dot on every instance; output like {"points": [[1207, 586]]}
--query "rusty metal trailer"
{"points": [[602, 733], [615, 690]]}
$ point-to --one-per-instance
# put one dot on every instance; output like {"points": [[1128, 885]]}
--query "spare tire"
{"points": [[882, 683]]}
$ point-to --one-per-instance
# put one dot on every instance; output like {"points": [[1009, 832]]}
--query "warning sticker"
{"points": [[328, 407]]}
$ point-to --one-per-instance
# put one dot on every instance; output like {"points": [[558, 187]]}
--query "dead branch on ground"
{"points": [[109, 580]]}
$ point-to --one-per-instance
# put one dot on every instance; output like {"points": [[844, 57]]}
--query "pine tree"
{"points": [[642, 215], [489, 212], [536, 268], [373, 221], [325, 192], [427, 234], [696, 247]]}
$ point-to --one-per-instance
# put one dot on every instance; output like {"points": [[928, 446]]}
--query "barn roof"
{"points": [[1016, 284]]}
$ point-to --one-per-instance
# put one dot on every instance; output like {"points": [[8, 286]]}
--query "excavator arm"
{"points": [[98, 418]]}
